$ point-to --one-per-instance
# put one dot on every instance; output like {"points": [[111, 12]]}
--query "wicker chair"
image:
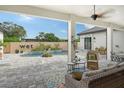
{"points": [[92, 60], [101, 50], [116, 58], [97, 50]]}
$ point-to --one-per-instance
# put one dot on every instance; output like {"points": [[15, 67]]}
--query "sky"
{"points": [[33, 25]]}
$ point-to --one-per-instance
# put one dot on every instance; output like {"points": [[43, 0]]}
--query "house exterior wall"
{"points": [[98, 40], [118, 41]]}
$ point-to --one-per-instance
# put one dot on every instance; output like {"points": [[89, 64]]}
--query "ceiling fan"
{"points": [[100, 15]]}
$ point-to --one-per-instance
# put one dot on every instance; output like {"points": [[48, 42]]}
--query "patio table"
{"points": [[76, 67], [79, 68], [70, 67]]}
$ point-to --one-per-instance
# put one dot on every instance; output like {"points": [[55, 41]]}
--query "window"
{"points": [[87, 43]]}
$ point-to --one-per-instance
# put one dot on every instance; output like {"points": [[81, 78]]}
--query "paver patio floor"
{"points": [[36, 72]]}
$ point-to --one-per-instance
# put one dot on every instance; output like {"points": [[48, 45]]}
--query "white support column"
{"points": [[71, 38], [109, 42]]}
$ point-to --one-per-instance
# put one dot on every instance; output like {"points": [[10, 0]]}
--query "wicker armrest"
{"points": [[73, 83]]}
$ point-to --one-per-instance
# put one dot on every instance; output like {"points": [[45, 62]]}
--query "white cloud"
{"points": [[89, 26], [63, 31], [25, 18]]}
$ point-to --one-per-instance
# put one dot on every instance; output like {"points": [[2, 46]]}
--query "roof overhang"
{"points": [[47, 13], [90, 31]]}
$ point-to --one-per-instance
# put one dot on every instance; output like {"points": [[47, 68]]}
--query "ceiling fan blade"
{"points": [[105, 12], [104, 17]]}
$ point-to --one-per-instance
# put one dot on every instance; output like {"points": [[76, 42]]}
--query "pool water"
{"points": [[39, 54]]}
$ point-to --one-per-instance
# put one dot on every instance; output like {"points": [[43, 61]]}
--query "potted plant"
{"points": [[46, 54]]}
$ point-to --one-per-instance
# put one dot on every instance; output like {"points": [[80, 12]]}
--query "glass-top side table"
{"points": [[70, 67], [76, 67]]}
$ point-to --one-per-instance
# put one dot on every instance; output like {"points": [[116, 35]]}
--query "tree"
{"points": [[41, 36], [78, 39], [12, 32], [50, 37]]}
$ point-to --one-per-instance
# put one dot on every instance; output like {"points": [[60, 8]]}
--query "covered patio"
{"points": [[76, 14], [73, 14]]}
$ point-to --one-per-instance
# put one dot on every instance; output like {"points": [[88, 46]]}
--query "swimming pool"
{"points": [[39, 53]]}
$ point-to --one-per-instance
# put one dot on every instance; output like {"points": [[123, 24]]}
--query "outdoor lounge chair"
{"points": [[101, 50], [109, 77], [92, 60]]}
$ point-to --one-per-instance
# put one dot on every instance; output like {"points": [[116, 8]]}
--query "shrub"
{"points": [[21, 51], [4, 44], [56, 47], [1, 44], [46, 54], [11, 39], [16, 51], [47, 47], [43, 47]]}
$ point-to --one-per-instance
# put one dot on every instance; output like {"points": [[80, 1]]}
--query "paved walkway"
{"points": [[36, 72]]}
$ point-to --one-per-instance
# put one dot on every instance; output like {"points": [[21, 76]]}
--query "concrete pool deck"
{"points": [[37, 72]]}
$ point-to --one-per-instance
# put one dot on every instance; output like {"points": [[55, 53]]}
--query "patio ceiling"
{"points": [[77, 13], [116, 14]]}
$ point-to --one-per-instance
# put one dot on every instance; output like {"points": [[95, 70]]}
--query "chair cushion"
{"points": [[92, 57], [77, 75]]}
